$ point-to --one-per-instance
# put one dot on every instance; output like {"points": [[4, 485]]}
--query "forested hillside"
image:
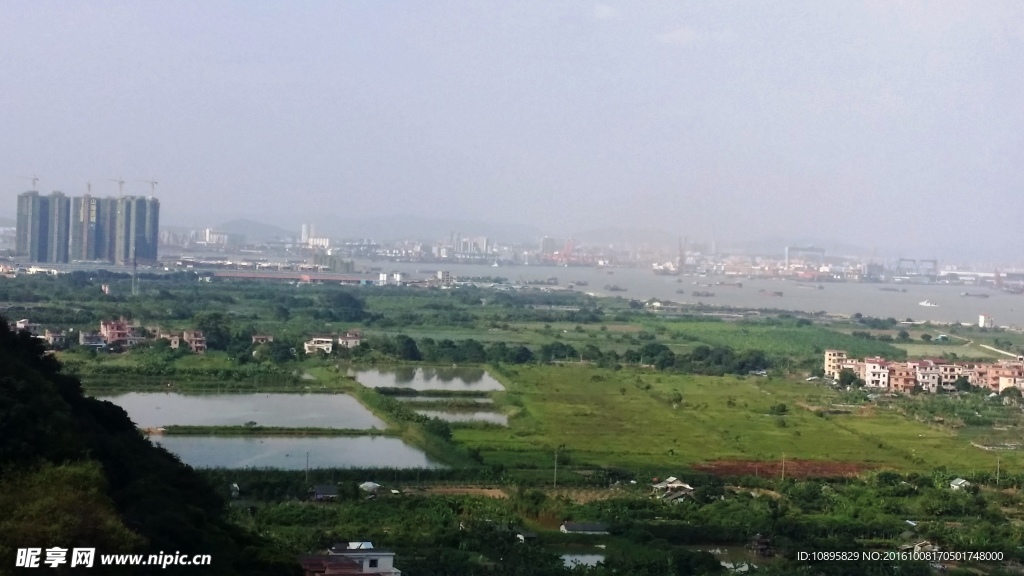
{"points": [[75, 472]]}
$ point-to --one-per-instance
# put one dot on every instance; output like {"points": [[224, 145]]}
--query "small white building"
{"points": [[959, 484], [985, 321], [350, 339], [319, 344]]}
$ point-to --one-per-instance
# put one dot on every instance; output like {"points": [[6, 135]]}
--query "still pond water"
{"points": [[571, 560], [492, 417], [290, 453], [429, 378], [152, 410]]}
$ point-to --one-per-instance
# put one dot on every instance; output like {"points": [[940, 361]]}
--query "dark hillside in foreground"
{"points": [[77, 473]]}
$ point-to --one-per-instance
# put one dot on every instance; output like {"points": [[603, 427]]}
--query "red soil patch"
{"points": [[794, 468]]}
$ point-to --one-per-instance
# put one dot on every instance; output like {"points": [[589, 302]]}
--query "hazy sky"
{"points": [[878, 122]]}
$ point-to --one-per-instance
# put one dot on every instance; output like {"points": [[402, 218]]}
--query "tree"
{"points": [[216, 327], [926, 337], [962, 384], [407, 349], [848, 378], [903, 335]]}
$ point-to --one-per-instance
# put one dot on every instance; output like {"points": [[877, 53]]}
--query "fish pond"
{"points": [[289, 453], [153, 410], [492, 417], [428, 378]]}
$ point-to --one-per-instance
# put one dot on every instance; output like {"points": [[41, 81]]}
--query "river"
{"points": [[834, 297]]}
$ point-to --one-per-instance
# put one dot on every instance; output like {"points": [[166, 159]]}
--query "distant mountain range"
{"points": [[629, 236], [255, 231], [425, 229]]}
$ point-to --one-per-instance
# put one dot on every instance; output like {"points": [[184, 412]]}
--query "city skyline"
{"points": [[57, 228], [886, 125]]}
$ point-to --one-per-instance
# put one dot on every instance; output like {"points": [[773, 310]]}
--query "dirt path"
{"points": [[465, 491], [793, 468]]}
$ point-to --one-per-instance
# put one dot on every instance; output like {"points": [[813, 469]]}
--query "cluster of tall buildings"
{"points": [[58, 229]]}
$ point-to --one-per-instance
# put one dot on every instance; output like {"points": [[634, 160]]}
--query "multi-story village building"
{"points": [[929, 375], [834, 362], [121, 333], [876, 373]]}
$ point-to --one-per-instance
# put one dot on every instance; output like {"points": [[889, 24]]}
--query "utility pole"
{"points": [[556, 468], [307, 468], [783, 466], [557, 450], [135, 276], [997, 471]]}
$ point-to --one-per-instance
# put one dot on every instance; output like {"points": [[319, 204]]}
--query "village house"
{"points": [[25, 325], [876, 373], [194, 339], [350, 558], [172, 338], [959, 484], [324, 343], [834, 363], [55, 339], [91, 339], [119, 332], [350, 339], [322, 492], [929, 375], [316, 344], [262, 339]]}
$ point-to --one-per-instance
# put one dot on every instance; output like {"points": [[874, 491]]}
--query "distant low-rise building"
{"points": [[316, 344], [195, 340], [929, 375], [258, 339], [876, 373], [351, 558], [55, 339], [91, 339], [119, 332], [26, 325], [350, 339], [834, 363]]}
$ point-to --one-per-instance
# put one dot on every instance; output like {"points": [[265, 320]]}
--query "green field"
{"points": [[629, 419], [926, 350]]}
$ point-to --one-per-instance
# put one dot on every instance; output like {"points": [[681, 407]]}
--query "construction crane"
{"points": [[566, 254], [152, 186], [120, 185], [33, 178]]}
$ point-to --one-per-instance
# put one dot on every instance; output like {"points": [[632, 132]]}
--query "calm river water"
{"points": [[834, 298]]}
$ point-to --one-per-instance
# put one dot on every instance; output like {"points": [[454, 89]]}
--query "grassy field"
{"points": [[925, 350], [632, 419]]}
